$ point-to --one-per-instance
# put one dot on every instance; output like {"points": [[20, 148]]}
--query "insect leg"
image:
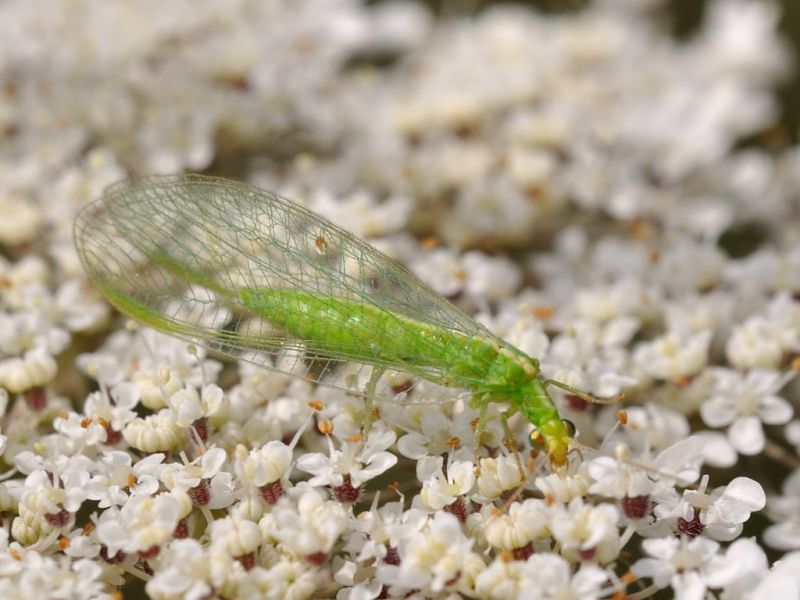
{"points": [[510, 440], [583, 395], [369, 403], [479, 427]]}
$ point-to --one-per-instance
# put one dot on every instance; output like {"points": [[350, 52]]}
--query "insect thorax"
{"points": [[504, 370]]}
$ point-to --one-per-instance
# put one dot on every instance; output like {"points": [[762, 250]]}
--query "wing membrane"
{"points": [[173, 251]]}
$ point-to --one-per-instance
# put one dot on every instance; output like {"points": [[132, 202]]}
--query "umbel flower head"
{"points": [[616, 202]]}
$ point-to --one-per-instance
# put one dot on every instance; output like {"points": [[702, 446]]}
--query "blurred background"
{"points": [[683, 17]]}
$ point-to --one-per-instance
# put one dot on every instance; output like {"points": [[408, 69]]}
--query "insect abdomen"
{"points": [[342, 328]]}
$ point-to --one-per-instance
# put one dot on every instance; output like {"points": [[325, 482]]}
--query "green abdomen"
{"points": [[359, 331]]}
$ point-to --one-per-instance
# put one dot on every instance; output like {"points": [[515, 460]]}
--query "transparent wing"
{"points": [[173, 251]]}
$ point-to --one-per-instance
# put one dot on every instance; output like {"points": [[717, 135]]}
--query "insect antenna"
{"points": [[618, 397], [620, 455]]}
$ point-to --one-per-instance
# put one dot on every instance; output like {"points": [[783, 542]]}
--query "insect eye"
{"points": [[536, 440], [572, 431]]}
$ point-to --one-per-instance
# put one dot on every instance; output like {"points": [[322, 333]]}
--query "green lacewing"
{"points": [[250, 274]]}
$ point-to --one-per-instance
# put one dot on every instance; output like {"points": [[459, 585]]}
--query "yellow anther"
{"points": [[325, 426]]}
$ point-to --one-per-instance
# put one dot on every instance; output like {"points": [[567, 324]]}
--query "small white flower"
{"points": [[50, 495], [785, 510], [311, 527], [557, 579], [263, 465], [673, 356], [106, 365], [754, 344], [78, 432], [21, 221], [586, 532], [440, 268], [29, 270], [117, 480], [235, 536], [141, 523], [156, 387], [116, 407], [281, 417], [155, 433], [607, 303], [549, 575], [185, 572], [77, 308], [744, 402], [695, 313], [718, 515], [739, 38], [617, 479], [439, 491], [528, 336], [436, 434], [359, 464], [159, 364], [257, 386], [781, 581], [48, 503], [486, 207], [552, 574], [34, 369], [364, 215], [346, 576], [739, 570], [654, 426], [188, 406], [764, 339], [433, 556], [285, 579], [78, 544], [202, 479], [31, 331], [680, 562], [687, 265], [717, 449], [531, 169], [502, 580], [591, 356], [792, 433], [524, 522], [488, 277], [498, 475], [377, 532], [349, 406]]}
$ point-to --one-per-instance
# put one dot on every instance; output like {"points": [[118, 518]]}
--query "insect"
{"points": [[248, 273]]}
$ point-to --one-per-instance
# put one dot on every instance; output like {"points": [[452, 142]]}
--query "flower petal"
{"points": [[747, 435], [741, 497], [775, 410], [718, 411]]}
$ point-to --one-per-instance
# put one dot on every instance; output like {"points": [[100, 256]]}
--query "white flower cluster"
{"points": [[575, 182]]}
